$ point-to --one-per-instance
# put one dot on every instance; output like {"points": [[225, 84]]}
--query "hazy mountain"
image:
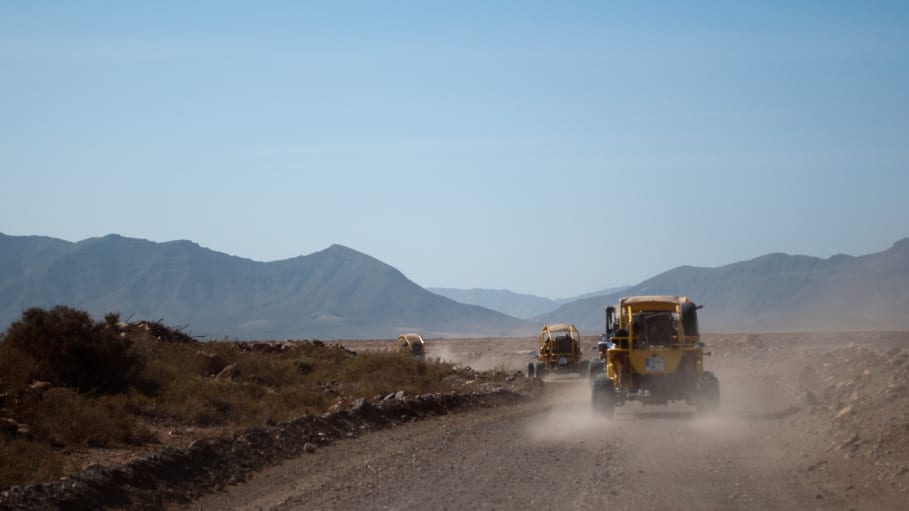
{"points": [[511, 303], [601, 292], [778, 292], [335, 293]]}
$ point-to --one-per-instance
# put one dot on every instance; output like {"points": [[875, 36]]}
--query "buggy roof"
{"points": [[675, 300], [411, 337], [559, 327]]}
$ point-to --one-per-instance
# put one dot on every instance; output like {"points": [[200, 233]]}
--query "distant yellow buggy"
{"points": [[559, 351], [413, 344]]}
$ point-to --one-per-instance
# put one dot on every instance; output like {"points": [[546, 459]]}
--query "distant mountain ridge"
{"points": [[334, 293], [514, 304], [777, 292], [341, 293]]}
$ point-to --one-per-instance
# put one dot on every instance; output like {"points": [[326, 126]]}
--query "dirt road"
{"points": [[553, 453]]}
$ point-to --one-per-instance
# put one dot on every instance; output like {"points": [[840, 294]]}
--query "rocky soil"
{"points": [[781, 440], [807, 421], [181, 474], [849, 411]]}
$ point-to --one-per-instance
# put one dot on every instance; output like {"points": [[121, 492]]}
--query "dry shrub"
{"points": [[26, 462], [134, 403], [383, 372], [268, 371], [16, 368], [170, 364], [71, 350], [173, 382], [283, 384], [198, 401], [64, 417], [165, 363], [263, 390], [294, 401]]}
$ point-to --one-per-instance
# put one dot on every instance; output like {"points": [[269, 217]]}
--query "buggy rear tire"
{"points": [[583, 368], [602, 396], [708, 392], [595, 368], [541, 370]]}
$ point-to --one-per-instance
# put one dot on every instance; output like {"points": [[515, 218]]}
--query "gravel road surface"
{"points": [[552, 453]]}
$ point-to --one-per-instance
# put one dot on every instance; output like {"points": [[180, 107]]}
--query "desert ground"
{"points": [[807, 421]]}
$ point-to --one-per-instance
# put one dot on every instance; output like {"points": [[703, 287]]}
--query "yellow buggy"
{"points": [[413, 344], [653, 355], [558, 350]]}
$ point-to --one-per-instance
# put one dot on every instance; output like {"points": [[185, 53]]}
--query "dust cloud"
{"points": [[749, 398], [571, 417], [482, 355]]}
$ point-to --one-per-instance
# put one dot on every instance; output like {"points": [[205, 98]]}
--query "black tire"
{"points": [[708, 392], [602, 396], [594, 369], [583, 368], [541, 370], [530, 370]]}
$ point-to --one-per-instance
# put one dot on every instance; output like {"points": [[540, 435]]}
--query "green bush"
{"points": [[71, 350]]}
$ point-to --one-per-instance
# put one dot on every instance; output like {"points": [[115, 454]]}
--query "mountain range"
{"points": [[341, 293], [335, 293], [778, 292]]}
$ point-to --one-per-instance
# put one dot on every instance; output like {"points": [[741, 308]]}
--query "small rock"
{"points": [[40, 386], [843, 412], [23, 431], [199, 444], [851, 442], [228, 372], [309, 448]]}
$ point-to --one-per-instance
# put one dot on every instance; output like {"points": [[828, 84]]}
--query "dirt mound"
{"points": [[843, 396]]}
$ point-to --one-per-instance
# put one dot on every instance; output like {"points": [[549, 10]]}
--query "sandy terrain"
{"points": [[817, 421]]}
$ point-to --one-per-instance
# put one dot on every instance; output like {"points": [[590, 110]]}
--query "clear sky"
{"points": [[552, 148]]}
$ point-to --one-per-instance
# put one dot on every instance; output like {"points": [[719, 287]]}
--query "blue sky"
{"points": [[552, 148]]}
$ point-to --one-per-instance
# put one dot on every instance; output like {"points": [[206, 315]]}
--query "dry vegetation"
{"points": [[68, 383]]}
